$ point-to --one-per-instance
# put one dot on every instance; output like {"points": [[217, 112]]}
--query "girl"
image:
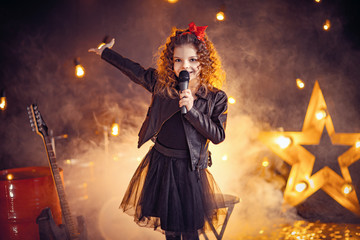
{"points": [[171, 188]]}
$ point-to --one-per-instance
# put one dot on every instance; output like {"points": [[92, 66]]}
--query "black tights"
{"points": [[185, 235]]}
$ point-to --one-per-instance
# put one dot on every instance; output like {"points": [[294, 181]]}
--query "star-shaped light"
{"points": [[302, 183]]}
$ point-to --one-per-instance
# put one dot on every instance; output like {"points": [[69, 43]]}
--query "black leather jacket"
{"points": [[205, 122]]}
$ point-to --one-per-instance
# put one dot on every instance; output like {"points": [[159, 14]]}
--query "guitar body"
{"points": [[48, 229]]}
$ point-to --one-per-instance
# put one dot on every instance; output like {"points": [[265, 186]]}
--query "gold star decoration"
{"points": [[301, 183]]}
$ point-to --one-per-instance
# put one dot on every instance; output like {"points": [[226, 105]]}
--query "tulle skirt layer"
{"points": [[165, 194]]}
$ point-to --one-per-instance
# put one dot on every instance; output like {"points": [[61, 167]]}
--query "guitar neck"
{"points": [[69, 223]]}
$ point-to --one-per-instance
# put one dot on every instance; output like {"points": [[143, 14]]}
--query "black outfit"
{"points": [[172, 134], [172, 188]]}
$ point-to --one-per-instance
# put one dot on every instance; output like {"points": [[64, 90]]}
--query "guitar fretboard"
{"points": [[60, 189]]}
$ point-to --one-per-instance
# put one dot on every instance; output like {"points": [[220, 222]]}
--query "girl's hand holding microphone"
{"points": [[186, 99], [99, 50]]}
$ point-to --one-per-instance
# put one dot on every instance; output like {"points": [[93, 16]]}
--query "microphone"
{"points": [[184, 78]]}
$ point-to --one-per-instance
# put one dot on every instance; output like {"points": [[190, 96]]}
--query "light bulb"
{"points": [[321, 114], [3, 103], [231, 100], [347, 188], [327, 25], [220, 16], [283, 142], [79, 71], [265, 162], [299, 83], [2, 100], [115, 129], [301, 186]]}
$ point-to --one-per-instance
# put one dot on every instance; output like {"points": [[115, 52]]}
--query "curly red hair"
{"points": [[211, 75]]}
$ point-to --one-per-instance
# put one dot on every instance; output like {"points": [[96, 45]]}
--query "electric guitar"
{"points": [[49, 230]]}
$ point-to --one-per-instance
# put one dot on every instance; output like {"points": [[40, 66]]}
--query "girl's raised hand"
{"points": [[99, 51]]}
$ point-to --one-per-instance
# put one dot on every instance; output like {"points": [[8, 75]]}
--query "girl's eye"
{"points": [[177, 60], [193, 60]]}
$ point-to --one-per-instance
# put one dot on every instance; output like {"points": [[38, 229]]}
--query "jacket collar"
{"points": [[202, 93]]}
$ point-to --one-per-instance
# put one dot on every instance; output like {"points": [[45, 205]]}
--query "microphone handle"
{"points": [[183, 85], [183, 110]]}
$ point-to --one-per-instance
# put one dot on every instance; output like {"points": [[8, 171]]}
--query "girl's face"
{"points": [[185, 58]]}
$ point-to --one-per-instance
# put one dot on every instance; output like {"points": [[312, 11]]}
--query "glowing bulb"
{"points": [[115, 129], [317, 1], [224, 158], [10, 176], [220, 16], [283, 142], [2, 103], [357, 144], [347, 188], [261, 231], [301, 186], [265, 162], [231, 100], [321, 114], [68, 161], [327, 25], [79, 71], [300, 84], [172, 1]]}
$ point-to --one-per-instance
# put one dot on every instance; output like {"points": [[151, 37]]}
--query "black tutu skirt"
{"points": [[165, 194]]}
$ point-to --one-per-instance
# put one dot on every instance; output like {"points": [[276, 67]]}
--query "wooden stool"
{"points": [[229, 203]]}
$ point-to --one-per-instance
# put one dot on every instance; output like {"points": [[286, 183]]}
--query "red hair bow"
{"points": [[197, 30]]}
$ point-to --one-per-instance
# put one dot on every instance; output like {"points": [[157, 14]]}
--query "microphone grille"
{"points": [[184, 76]]}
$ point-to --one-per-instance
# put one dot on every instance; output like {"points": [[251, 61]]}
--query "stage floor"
{"points": [[302, 230]]}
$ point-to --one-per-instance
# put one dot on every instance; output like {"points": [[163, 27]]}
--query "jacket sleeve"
{"points": [[144, 77], [211, 126]]}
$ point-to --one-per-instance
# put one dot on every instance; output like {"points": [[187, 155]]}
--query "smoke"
{"points": [[264, 47]]}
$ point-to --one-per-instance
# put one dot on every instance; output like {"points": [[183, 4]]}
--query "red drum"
{"points": [[24, 193]]}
